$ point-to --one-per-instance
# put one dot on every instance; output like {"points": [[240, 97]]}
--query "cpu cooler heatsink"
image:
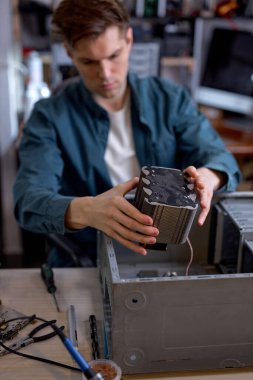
{"points": [[167, 196]]}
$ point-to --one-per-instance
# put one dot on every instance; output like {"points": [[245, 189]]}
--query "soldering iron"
{"points": [[79, 359]]}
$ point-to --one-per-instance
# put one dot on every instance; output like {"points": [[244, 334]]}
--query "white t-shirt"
{"points": [[120, 155]]}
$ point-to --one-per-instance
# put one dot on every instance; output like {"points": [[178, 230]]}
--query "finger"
{"points": [[202, 216], [131, 212], [131, 239], [131, 245], [127, 186], [200, 183], [133, 225], [131, 229], [205, 202], [191, 171]]}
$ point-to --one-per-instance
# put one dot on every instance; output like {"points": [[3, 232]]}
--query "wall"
{"points": [[9, 105]]}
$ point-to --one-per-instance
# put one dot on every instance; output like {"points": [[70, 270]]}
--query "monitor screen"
{"points": [[229, 64], [223, 73]]}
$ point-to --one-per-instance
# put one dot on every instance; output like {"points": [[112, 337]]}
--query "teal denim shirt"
{"points": [[63, 145]]}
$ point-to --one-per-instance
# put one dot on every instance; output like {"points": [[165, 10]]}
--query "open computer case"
{"points": [[158, 319]]}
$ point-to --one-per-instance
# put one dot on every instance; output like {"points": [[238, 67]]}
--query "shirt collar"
{"points": [[134, 84], [142, 109], [95, 109]]}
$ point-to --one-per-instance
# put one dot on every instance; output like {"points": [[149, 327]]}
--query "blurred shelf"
{"points": [[178, 61]]}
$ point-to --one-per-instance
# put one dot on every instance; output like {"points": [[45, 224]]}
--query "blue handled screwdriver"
{"points": [[48, 278]]}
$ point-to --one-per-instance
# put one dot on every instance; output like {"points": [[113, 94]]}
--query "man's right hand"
{"points": [[111, 213]]}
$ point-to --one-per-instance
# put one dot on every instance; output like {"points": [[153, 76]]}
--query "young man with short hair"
{"points": [[83, 148]]}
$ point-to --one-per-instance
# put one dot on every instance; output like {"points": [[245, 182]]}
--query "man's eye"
{"points": [[87, 63], [114, 56]]}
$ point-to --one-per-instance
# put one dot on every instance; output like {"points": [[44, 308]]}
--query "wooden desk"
{"points": [[238, 142], [23, 290]]}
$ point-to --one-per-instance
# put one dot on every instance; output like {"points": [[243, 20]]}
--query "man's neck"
{"points": [[114, 104]]}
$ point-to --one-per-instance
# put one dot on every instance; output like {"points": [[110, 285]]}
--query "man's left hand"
{"points": [[205, 181]]}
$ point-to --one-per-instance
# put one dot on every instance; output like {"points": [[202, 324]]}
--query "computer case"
{"points": [[247, 256], [157, 319], [231, 224]]}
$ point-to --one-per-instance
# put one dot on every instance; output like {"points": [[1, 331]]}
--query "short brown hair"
{"points": [[76, 19]]}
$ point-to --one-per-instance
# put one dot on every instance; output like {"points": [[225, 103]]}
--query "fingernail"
{"points": [[156, 231]]}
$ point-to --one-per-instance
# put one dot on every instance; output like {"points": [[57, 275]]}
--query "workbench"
{"points": [[24, 291]]}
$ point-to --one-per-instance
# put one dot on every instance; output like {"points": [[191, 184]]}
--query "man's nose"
{"points": [[104, 70]]}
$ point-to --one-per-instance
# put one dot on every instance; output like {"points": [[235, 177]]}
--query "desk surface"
{"points": [[23, 290], [238, 142]]}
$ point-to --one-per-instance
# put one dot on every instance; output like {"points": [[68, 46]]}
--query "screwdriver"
{"points": [[48, 278]]}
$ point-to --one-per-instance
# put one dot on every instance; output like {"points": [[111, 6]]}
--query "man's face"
{"points": [[103, 62]]}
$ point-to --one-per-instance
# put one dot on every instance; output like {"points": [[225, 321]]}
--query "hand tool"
{"points": [[87, 370], [94, 336], [48, 278], [72, 325], [31, 338]]}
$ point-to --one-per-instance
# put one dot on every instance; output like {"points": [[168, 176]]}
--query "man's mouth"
{"points": [[108, 86]]}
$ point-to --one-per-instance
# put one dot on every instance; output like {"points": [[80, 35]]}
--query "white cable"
{"points": [[191, 258]]}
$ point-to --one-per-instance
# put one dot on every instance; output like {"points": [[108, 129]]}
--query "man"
{"points": [[83, 148]]}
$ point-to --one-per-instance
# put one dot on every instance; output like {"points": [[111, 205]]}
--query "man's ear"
{"points": [[129, 36]]}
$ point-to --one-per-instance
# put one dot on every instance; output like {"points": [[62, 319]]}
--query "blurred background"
{"points": [[204, 45]]}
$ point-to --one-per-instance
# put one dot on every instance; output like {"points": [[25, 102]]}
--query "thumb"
{"points": [[127, 186]]}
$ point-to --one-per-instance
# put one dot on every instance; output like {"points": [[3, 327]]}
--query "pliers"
{"points": [[31, 338]]}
